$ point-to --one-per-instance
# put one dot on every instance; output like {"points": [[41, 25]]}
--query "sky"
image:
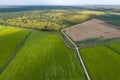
{"points": [[59, 2]]}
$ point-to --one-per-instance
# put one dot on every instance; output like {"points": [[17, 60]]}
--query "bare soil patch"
{"points": [[92, 29]]}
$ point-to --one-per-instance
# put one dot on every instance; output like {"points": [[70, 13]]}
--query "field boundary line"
{"points": [[13, 53], [112, 49], [65, 41], [78, 53]]}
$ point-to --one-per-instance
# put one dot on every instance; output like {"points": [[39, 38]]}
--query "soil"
{"points": [[91, 29]]}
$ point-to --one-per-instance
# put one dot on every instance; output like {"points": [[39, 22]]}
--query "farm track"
{"points": [[78, 53], [14, 53]]}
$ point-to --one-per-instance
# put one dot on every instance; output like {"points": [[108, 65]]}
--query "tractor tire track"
{"points": [[19, 46]]}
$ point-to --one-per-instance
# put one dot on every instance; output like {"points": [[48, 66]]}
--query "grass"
{"points": [[102, 63], [9, 40], [44, 57]]}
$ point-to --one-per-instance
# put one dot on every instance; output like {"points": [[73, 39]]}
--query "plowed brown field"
{"points": [[92, 29]]}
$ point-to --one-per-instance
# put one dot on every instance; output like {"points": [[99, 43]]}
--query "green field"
{"points": [[115, 47], [1, 27], [10, 38], [102, 63], [44, 57]]}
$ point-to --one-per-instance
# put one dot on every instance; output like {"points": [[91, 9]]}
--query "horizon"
{"points": [[66, 5], [58, 2]]}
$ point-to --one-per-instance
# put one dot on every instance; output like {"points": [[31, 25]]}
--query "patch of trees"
{"points": [[48, 20]]}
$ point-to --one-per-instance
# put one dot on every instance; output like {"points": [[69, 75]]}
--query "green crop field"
{"points": [[1, 27], [115, 47], [102, 63], [9, 40], [44, 57]]}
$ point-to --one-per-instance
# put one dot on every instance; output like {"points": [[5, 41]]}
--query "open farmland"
{"points": [[44, 57], [38, 50], [102, 63], [92, 29], [10, 38]]}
